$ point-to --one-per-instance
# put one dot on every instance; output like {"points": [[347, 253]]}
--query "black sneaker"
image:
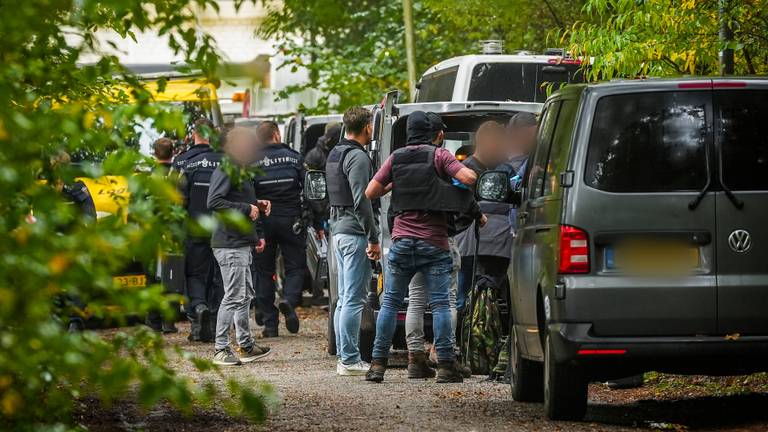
{"points": [[203, 317], [225, 357], [253, 352], [291, 319], [449, 372], [169, 327], [376, 372], [269, 333]]}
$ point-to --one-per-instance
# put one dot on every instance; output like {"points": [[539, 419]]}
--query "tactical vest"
{"points": [[417, 187], [198, 170], [281, 179], [339, 191]]}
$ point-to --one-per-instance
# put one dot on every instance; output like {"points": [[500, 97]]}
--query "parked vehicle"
{"points": [[492, 76], [462, 119], [641, 242]]}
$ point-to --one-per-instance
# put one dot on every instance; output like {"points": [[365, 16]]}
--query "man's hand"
{"points": [[260, 246], [319, 234], [265, 206], [254, 213], [373, 251], [483, 220]]}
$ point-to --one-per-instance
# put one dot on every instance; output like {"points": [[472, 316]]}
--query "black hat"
{"points": [[419, 128], [437, 122]]}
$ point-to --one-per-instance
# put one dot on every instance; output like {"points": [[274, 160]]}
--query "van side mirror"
{"points": [[493, 186], [315, 186]]}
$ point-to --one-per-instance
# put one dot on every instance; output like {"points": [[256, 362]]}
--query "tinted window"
{"points": [[743, 139], [648, 142], [438, 87], [558, 153], [525, 82], [538, 170]]}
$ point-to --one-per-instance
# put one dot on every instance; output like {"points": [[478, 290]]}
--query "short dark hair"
{"points": [[266, 130], [521, 120], [201, 124], [163, 148], [356, 118]]}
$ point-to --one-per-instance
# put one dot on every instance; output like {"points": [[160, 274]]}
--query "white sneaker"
{"points": [[356, 369]]}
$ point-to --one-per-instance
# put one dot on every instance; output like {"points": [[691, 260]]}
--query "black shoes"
{"points": [[291, 319], [200, 330], [269, 333], [449, 372], [417, 366], [376, 372]]}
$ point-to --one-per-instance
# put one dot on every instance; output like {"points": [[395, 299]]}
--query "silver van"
{"points": [[641, 243]]}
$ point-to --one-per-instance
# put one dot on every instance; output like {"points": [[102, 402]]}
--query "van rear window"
{"points": [[742, 137], [523, 82], [648, 142], [438, 87]]}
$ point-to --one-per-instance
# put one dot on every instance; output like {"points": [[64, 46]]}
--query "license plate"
{"points": [[653, 258], [131, 281]]}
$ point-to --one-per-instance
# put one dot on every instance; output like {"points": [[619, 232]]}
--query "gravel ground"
{"points": [[313, 398]]}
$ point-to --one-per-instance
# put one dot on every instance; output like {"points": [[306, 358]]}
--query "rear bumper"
{"points": [[610, 357]]}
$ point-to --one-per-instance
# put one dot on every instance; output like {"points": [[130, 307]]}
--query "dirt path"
{"points": [[313, 398]]}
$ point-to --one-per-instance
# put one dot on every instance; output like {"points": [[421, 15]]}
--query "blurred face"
{"points": [[522, 140], [490, 144], [241, 146]]}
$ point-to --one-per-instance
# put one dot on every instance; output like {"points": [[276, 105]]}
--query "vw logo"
{"points": [[740, 241]]}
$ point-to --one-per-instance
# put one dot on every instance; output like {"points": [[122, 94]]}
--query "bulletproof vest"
{"points": [[198, 170], [181, 160], [416, 185], [280, 180], [339, 191]]}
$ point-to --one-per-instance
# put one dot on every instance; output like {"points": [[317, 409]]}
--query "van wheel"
{"points": [[331, 331], [565, 388], [526, 377]]}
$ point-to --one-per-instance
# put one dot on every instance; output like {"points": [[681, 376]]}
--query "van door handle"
{"points": [[540, 230]]}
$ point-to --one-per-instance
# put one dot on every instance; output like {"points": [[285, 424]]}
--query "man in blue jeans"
{"points": [[423, 197], [355, 233]]}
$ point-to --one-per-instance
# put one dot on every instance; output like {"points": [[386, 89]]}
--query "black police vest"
{"points": [[280, 180], [339, 191], [417, 187], [198, 170]]}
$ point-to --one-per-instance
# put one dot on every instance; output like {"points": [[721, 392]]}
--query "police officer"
{"points": [[281, 182], [204, 286], [423, 198]]}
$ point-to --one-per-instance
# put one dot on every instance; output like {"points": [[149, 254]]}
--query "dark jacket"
{"points": [[223, 196], [281, 180]]}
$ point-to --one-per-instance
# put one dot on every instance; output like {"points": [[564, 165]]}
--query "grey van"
{"points": [[642, 242], [389, 127]]}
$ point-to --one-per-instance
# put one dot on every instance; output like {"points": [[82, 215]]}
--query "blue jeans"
{"points": [[406, 257], [354, 276]]}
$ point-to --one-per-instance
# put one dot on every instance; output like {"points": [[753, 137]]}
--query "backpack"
{"points": [[482, 329]]}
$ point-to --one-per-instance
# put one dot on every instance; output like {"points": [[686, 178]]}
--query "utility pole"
{"points": [[410, 53], [726, 37]]}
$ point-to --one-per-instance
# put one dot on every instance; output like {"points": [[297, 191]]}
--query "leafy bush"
{"points": [[49, 104]]}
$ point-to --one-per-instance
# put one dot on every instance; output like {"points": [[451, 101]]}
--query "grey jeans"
{"points": [[418, 301], [235, 267]]}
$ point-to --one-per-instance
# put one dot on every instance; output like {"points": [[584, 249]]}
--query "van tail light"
{"points": [[574, 250], [588, 352]]}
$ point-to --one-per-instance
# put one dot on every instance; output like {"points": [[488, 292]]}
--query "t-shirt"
{"points": [[428, 226]]}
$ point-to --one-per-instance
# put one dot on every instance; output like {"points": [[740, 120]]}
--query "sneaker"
{"points": [[253, 352], [291, 319], [417, 366], [376, 372], [355, 369], [225, 357], [269, 333], [169, 327], [449, 372]]}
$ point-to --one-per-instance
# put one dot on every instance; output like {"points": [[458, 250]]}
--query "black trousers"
{"points": [[278, 232], [203, 276]]}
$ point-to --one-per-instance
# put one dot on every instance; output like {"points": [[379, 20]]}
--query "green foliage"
{"points": [[356, 51], [50, 104], [668, 37]]}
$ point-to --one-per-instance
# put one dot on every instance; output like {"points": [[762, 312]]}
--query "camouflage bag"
{"points": [[482, 328]]}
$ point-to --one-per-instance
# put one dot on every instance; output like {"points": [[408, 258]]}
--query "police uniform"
{"points": [[203, 278], [281, 182]]}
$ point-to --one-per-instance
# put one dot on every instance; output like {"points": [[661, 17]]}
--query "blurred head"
{"points": [[489, 144], [268, 132], [332, 135], [521, 134], [202, 130], [357, 121], [163, 149], [240, 144]]}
